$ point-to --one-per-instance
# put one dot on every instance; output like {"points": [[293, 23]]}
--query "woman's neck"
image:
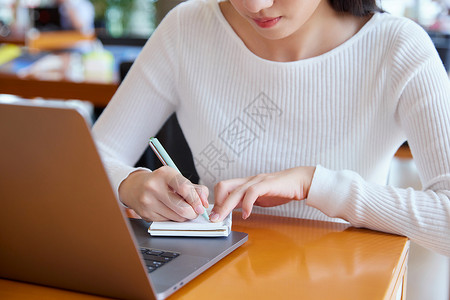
{"points": [[324, 31]]}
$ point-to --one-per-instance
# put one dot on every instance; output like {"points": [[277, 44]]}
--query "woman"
{"points": [[316, 96]]}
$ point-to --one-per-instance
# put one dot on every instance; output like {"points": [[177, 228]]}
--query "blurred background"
{"points": [[114, 21], [131, 22], [136, 19]]}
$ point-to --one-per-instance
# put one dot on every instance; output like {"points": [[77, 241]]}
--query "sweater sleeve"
{"points": [[423, 216], [423, 112], [143, 102]]}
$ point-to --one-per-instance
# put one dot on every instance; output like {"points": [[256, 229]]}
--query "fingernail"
{"points": [[213, 217], [199, 209], [244, 215]]}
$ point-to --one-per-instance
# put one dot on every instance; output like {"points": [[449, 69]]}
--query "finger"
{"points": [[158, 211], [178, 204], [224, 188], [203, 193], [183, 187], [235, 191], [169, 214], [251, 195], [155, 218], [160, 218], [220, 212]]}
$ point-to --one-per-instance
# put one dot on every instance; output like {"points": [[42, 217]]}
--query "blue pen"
{"points": [[165, 159]]}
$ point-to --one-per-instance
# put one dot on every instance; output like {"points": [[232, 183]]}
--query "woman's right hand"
{"points": [[162, 195]]}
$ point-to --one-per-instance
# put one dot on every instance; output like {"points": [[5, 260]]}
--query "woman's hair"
{"points": [[357, 8]]}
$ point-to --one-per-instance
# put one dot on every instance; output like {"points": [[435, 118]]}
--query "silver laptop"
{"points": [[62, 226]]}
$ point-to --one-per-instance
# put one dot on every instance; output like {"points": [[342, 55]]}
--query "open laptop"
{"points": [[62, 226]]}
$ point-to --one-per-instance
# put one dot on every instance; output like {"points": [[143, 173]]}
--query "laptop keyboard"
{"points": [[155, 258]]}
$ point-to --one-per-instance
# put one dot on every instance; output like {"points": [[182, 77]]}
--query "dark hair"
{"points": [[357, 8]]}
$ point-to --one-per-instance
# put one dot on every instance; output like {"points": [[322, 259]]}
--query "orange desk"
{"points": [[286, 258]]}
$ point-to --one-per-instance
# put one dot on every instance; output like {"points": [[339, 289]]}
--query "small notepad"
{"points": [[198, 227]]}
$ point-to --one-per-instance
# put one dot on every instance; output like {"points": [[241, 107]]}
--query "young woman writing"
{"points": [[282, 101]]}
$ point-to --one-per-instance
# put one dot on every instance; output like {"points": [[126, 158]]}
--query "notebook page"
{"points": [[197, 227]]}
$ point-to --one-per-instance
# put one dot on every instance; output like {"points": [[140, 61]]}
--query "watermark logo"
{"points": [[262, 110], [212, 160], [237, 136]]}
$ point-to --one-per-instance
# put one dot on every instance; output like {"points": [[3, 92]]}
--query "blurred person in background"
{"points": [[77, 15]]}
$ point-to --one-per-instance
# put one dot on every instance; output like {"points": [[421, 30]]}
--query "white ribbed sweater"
{"points": [[346, 112]]}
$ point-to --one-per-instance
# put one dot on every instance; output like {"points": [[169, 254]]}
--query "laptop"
{"points": [[62, 226]]}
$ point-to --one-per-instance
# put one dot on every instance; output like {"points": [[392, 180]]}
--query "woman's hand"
{"points": [[162, 195], [263, 190]]}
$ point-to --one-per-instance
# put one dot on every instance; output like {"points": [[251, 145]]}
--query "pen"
{"points": [[165, 159]]}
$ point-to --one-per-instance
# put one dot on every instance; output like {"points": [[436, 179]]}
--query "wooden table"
{"points": [[286, 258], [97, 93]]}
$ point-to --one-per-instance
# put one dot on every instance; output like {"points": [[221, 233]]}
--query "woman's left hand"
{"points": [[262, 190]]}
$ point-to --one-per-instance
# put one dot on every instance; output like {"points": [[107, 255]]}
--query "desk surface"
{"points": [[285, 258]]}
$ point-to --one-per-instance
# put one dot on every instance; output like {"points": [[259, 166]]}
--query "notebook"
{"points": [[198, 227], [62, 226]]}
